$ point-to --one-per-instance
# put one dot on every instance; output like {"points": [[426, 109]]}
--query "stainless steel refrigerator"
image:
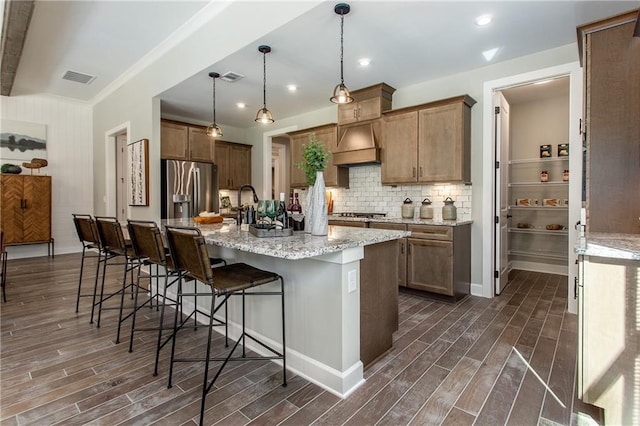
{"points": [[188, 188]]}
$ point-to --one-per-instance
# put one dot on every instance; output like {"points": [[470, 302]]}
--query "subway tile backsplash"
{"points": [[367, 194]]}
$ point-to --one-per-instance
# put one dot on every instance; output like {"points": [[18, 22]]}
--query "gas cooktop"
{"points": [[360, 214]]}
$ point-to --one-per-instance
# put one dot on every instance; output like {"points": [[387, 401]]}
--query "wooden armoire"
{"points": [[25, 209]]}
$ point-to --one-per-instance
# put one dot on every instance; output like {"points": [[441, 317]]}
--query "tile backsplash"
{"points": [[367, 194]]}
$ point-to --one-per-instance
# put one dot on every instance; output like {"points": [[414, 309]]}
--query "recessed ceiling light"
{"points": [[241, 105], [292, 87], [364, 62], [483, 20], [490, 54]]}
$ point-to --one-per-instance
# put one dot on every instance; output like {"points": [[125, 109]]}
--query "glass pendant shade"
{"points": [[341, 94], [264, 115], [214, 130]]}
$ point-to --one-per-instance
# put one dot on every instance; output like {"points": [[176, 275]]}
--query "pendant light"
{"points": [[264, 115], [341, 94], [214, 130]]}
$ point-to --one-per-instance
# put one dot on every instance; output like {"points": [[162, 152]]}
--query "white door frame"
{"points": [[266, 158], [110, 166], [574, 72]]}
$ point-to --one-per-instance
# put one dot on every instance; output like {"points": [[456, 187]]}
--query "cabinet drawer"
{"points": [[391, 226], [353, 224], [431, 232]]}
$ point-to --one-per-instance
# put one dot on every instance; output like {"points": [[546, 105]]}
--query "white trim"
{"points": [[477, 289], [110, 166], [574, 71]]}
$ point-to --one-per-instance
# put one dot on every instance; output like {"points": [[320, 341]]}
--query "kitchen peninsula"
{"points": [[341, 296]]}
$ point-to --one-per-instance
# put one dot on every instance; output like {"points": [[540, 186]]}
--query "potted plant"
{"points": [[315, 161]]}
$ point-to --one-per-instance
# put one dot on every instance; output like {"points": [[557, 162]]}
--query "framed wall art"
{"points": [[21, 141], [138, 156]]}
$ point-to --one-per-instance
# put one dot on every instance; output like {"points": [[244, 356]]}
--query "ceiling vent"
{"points": [[231, 77], [78, 77]]}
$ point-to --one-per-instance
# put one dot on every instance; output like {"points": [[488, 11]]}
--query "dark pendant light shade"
{"points": [[214, 130], [341, 94], [264, 115]]}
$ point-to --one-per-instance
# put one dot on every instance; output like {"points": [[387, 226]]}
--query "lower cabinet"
{"points": [[608, 338], [402, 249]]}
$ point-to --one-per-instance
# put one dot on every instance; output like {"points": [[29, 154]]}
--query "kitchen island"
{"points": [[340, 303]]}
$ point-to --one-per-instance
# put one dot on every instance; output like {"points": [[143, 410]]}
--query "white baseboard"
{"points": [[540, 267]]}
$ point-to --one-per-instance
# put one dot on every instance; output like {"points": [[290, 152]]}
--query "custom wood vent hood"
{"points": [[357, 145]]}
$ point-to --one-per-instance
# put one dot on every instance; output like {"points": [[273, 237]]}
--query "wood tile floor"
{"points": [[507, 360]]}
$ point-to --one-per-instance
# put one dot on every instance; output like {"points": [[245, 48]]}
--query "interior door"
{"points": [[501, 228], [121, 177]]}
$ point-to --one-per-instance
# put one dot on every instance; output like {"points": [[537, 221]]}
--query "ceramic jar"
{"points": [[426, 211], [407, 209], [449, 211]]}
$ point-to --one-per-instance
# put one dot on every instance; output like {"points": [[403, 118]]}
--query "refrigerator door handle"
{"points": [[196, 191]]}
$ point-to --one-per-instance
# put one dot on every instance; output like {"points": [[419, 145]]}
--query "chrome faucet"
{"points": [[255, 200]]}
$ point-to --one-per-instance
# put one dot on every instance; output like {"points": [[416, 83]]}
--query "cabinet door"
{"points": [[298, 179], [11, 212], [329, 138], [399, 146], [174, 141], [369, 109], [402, 249], [222, 161], [441, 151], [348, 113], [201, 146], [239, 165], [430, 266], [37, 209]]}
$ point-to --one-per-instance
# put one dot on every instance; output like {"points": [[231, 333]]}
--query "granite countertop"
{"points": [[298, 246], [615, 246], [401, 220]]}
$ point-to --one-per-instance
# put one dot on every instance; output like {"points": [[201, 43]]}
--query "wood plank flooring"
{"points": [[507, 360]]}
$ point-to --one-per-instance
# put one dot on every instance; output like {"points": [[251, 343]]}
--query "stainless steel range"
{"points": [[367, 215]]}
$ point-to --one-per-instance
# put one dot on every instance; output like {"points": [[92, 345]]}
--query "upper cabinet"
{"points": [[429, 143], [368, 104], [611, 60], [328, 135], [181, 141], [234, 164]]}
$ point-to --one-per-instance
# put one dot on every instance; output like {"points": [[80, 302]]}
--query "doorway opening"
{"points": [[115, 171], [280, 167], [121, 176], [515, 183]]}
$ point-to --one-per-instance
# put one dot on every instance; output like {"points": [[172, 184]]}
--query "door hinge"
{"points": [[496, 274], [497, 164], [497, 219], [497, 110]]}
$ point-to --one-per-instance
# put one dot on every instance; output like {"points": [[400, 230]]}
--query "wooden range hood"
{"points": [[358, 145]]}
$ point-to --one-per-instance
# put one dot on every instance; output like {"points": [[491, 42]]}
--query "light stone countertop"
{"points": [[401, 220], [615, 246], [298, 246]]}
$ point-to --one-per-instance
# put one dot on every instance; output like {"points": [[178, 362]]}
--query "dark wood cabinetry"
{"points": [[25, 209], [181, 141], [328, 135], [369, 103], [428, 143], [611, 60], [234, 164]]}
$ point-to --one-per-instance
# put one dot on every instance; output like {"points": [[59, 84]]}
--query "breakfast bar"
{"points": [[340, 302]]}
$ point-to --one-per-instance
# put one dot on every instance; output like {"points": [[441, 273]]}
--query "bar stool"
{"points": [[148, 246], [3, 267], [189, 252], [88, 235], [115, 248]]}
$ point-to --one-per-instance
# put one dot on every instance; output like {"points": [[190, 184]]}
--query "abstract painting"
{"points": [[21, 141], [138, 155]]}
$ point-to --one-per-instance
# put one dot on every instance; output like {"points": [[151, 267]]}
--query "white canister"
{"points": [[407, 209]]}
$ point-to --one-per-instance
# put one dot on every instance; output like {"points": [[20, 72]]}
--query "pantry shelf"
{"points": [[538, 231], [539, 254]]}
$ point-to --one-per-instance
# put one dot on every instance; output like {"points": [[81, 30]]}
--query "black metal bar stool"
{"points": [[116, 252], [189, 252], [88, 235]]}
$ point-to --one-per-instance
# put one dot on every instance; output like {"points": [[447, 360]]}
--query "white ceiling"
{"points": [[407, 42]]}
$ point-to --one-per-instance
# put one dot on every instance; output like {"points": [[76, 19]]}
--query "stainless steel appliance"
{"points": [[188, 188]]}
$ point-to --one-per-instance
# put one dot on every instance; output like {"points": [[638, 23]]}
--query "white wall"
{"points": [[70, 158]]}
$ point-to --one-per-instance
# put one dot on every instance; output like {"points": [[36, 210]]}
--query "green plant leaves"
{"points": [[315, 159]]}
